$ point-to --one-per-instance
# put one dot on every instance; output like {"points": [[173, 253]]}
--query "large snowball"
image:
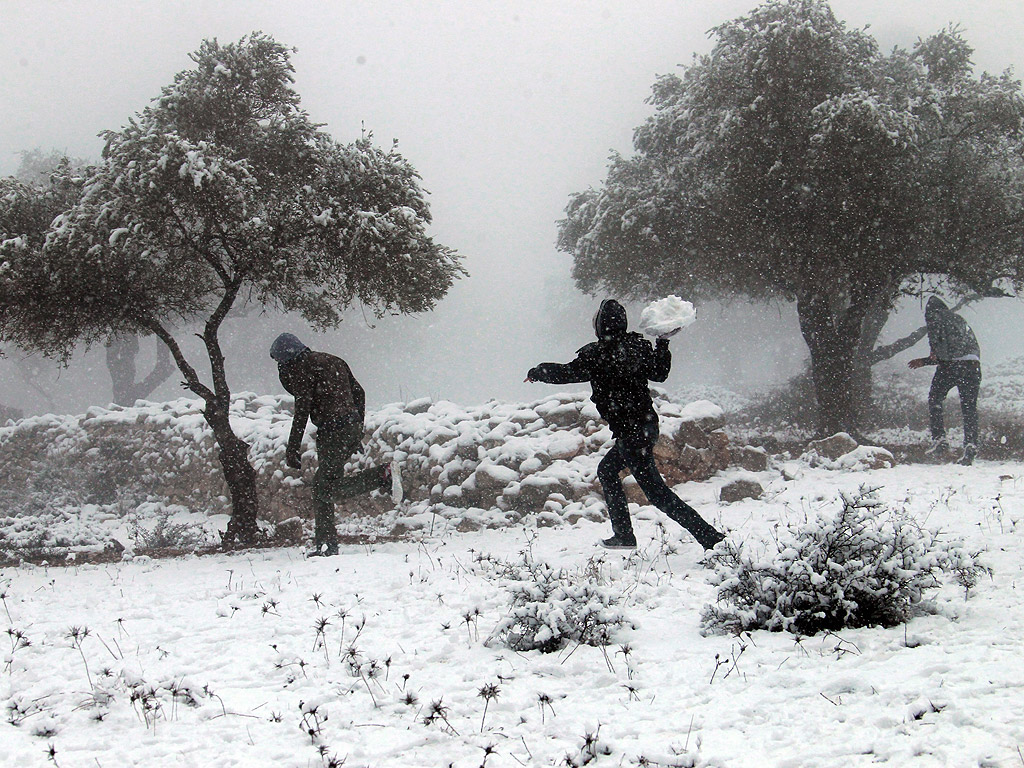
{"points": [[665, 315]]}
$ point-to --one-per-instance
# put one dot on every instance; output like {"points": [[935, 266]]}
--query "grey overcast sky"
{"points": [[505, 108]]}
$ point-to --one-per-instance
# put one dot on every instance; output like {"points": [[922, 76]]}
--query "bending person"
{"points": [[327, 393], [619, 366]]}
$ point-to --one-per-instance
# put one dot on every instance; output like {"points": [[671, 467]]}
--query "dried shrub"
{"points": [[161, 531]]}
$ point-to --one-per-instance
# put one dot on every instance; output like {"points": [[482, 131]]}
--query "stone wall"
{"points": [[516, 458]]}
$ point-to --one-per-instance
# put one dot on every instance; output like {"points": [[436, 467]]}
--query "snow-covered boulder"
{"points": [[833, 447], [866, 457], [749, 458], [840, 451], [692, 446], [739, 488]]}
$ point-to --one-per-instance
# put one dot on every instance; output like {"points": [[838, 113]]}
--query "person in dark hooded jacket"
{"points": [[955, 352], [328, 394], [619, 366]]}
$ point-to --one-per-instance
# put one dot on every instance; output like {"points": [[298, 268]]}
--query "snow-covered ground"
{"points": [[232, 660]]}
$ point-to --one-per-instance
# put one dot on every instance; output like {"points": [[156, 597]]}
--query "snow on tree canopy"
{"points": [[666, 315], [221, 193]]}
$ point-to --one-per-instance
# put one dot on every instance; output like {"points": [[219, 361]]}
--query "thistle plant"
{"points": [[489, 750], [543, 700], [471, 620], [313, 718], [487, 693], [3, 599], [320, 641], [18, 641], [76, 635], [438, 711]]}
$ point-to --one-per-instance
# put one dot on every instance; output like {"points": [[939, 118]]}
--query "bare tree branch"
{"points": [[190, 374]]}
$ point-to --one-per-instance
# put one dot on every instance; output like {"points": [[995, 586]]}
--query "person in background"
{"points": [[619, 366], [327, 393], [955, 352]]}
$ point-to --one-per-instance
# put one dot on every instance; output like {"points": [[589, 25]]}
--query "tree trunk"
{"points": [[122, 350], [30, 372], [832, 339], [239, 474], [861, 383], [832, 374], [233, 452]]}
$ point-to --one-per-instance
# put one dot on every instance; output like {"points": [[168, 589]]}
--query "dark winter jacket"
{"points": [[325, 391], [618, 366], [949, 335]]}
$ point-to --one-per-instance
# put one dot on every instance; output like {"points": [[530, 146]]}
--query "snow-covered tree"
{"points": [[222, 193], [31, 199], [45, 185], [796, 162]]}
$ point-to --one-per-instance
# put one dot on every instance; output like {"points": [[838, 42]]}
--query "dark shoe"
{"points": [[711, 541], [938, 448], [616, 542], [970, 451]]}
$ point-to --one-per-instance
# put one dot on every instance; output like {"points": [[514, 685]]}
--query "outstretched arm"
{"points": [[560, 373], [920, 362]]}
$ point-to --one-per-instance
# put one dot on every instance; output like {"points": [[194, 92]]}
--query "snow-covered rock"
{"points": [[741, 488], [866, 457], [749, 458], [833, 447], [840, 451]]}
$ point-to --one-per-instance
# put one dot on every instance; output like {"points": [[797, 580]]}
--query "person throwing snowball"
{"points": [[327, 393], [619, 366]]}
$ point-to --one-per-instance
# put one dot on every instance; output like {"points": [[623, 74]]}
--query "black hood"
{"points": [[610, 319], [936, 308]]}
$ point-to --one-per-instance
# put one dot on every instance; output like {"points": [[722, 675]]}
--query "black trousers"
{"points": [[965, 375], [635, 451], [335, 446]]}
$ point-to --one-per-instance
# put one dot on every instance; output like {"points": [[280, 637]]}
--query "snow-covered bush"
{"points": [[157, 527], [864, 566], [550, 607]]}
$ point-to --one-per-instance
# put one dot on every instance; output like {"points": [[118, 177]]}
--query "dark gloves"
{"points": [[534, 374]]}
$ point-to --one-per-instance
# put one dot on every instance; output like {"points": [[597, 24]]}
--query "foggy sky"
{"points": [[504, 108]]}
